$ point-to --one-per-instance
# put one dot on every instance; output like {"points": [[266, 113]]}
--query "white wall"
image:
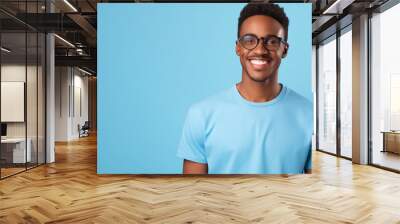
{"points": [[79, 117], [62, 81], [33, 127], [70, 84], [15, 72]]}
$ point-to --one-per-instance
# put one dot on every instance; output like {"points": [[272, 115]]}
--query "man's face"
{"points": [[260, 64]]}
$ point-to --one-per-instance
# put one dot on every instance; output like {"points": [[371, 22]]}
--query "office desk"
{"points": [[391, 141], [15, 148]]}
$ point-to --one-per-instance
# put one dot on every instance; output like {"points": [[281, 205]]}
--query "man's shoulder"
{"points": [[298, 101], [298, 98]]}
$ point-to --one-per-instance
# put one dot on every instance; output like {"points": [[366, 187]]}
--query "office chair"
{"points": [[84, 130]]}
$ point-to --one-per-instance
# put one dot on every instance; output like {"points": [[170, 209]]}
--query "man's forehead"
{"points": [[261, 24], [259, 19]]}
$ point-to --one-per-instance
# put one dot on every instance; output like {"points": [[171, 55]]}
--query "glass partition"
{"points": [[385, 89], [41, 91], [32, 95], [346, 93], [14, 153], [327, 95], [22, 78]]}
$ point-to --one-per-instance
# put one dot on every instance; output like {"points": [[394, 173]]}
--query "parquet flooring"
{"points": [[70, 191], [10, 171]]}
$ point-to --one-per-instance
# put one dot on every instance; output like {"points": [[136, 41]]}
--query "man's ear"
{"points": [[285, 51], [237, 49]]}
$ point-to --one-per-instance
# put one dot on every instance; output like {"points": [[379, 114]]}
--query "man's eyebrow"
{"points": [[263, 36], [248, 34]]}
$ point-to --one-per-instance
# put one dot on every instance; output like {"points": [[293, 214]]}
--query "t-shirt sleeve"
{"points": [[191, 145], [308, 165]]}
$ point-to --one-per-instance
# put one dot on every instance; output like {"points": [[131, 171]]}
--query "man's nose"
{"points": [[260, 49]]}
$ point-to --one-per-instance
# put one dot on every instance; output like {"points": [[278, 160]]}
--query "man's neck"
{"points": [[259, 91]]}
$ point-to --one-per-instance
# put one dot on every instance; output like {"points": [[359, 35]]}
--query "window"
{"points": [[346, 93], [385, 89], [327, 95]]}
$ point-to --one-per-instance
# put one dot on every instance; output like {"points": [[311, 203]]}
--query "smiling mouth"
{"points": [[259, 63]]}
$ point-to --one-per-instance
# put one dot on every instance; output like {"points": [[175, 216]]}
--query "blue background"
{"points": [[155, 60]]}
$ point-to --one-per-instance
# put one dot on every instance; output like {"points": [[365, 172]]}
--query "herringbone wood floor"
{"points": [[70, 191]]}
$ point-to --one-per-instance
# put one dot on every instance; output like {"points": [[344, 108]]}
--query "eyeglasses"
{"points": [[270, 42]]}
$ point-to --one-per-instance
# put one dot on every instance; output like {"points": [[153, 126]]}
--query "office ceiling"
{"points": [[76, 22]]}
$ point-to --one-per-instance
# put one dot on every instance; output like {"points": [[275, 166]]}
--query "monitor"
{"points": [[3, 129]]}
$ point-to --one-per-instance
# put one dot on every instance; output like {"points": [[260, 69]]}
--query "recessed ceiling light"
{"points": [[337, 7], [5, 50], [71, 6], [65, 41], [84, 71]]}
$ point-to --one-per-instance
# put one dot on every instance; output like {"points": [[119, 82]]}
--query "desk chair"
{"points": [[84, 130]]}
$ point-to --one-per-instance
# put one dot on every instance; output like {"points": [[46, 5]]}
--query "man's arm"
{"points": [[190, 167], [191, 147]]}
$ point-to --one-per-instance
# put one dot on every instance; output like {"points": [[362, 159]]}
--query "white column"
{"points": [[50, 92], [360, 90]]}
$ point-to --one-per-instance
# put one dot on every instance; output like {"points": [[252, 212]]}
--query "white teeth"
{"points": [[258, 62]]}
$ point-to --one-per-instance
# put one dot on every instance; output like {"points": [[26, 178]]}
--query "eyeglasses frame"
{"points": [[264, 40]]}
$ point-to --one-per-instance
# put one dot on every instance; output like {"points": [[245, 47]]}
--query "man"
{"points": [[258, 126]]}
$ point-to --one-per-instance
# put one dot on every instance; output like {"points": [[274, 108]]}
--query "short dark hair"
{"points": [[264, 9]]}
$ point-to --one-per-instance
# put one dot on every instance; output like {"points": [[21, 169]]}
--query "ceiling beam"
{"points": [[84, 24], [83, 61], [337, 6]]}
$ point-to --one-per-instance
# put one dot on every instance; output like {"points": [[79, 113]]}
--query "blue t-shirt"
{"points": [[236, 136]]}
